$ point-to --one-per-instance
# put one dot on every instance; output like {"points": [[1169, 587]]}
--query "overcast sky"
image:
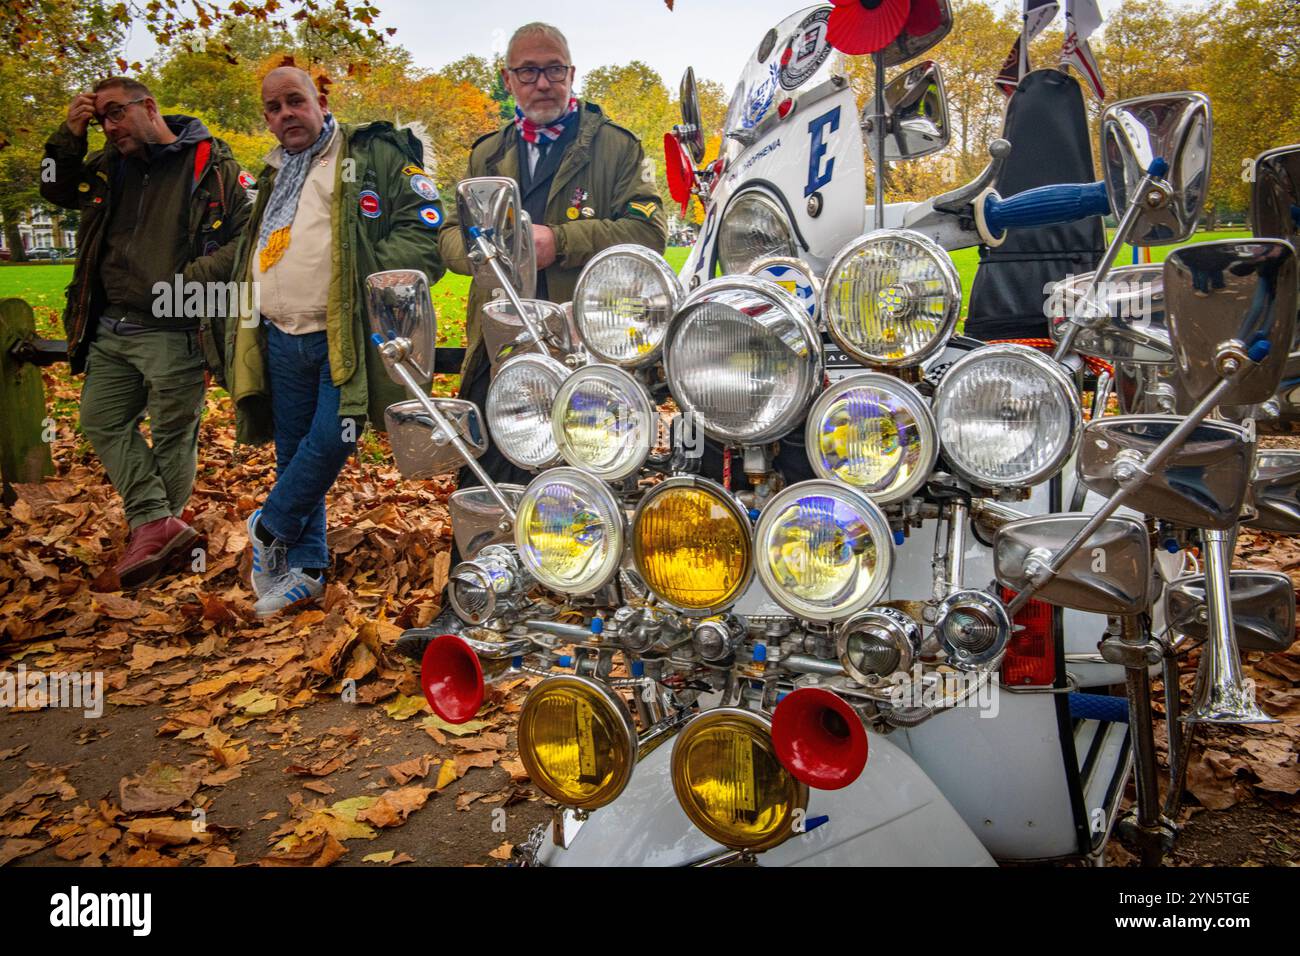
{"points": [[714, 36]]}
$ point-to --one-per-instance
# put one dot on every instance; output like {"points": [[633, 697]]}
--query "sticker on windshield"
{"points": [[759, 100], [805, 50]]}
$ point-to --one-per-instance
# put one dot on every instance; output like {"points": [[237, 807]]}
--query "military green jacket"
{"points": [[606, 163], [216, 210], [398, 230]]}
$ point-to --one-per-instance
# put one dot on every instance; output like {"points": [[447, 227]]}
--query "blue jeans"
{"points": [[312, 443]]}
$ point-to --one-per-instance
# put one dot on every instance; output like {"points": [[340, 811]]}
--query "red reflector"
{"points": [[783, 108], [1031, 652]]}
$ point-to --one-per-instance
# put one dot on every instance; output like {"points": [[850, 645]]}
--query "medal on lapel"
{"points": [[575, 209]]}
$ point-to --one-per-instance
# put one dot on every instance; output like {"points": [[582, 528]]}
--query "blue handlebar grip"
{"points": [[1259, 351], [1046, 206], [376, 338], [474, 232], [1158, 169], [1099, 707]]}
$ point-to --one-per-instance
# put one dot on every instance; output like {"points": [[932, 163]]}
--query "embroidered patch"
{"points": [[431, 216], [413, 171], [369, 203], [645, 209], [246, 179], [424, 187]]}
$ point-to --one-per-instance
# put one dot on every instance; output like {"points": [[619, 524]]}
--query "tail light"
{"points": [[1031, 653]]}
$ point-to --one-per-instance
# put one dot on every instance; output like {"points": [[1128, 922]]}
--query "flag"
{"points": [[1038, 14], [1082, 18]]}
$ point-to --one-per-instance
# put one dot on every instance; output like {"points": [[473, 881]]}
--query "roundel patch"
{"points": [[793, 281], [246, 179], [369, 202], [424, 186], [430, 216]]}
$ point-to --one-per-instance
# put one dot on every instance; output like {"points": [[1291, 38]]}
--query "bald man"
{"points": [[335, 203]]}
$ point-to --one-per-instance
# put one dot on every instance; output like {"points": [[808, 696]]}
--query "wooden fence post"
{"points": [[24, 452]]}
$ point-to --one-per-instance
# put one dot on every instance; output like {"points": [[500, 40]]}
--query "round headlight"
{"points": [[519, 405], [622, 303], [693, 545], [730, 783], [569, 531], [876, 643], [1008, 416], [604, 421], [891, 297], [743, 357], [793, 275], [576, 741], [753, 227], [823, 550], [875, 433]]}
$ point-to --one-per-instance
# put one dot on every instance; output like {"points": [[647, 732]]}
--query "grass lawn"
{"points": [[42, 286]]}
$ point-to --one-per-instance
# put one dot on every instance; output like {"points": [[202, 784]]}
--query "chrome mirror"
{"points": [[504, 333], [1239, 291], [1275, 195], [928, 22], [476, 517], [399, 308], [1263, 609], [1134, 330], [691, 133], [1276, 491], [490, 207], [1173, 132], [1112, 573], [1202, 484], [420, 448], [916, 109]]}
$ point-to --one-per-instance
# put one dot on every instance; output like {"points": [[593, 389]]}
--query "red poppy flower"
{"points": [[856, 27]]}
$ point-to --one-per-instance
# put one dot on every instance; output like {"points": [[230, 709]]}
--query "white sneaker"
{"points": [[287, 590], [270, 561]]}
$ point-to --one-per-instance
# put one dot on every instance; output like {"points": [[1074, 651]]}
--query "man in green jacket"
{"points": [[584, 181], [335, 204], [161, 206]]}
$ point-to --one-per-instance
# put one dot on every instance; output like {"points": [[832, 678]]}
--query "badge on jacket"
{"points": [[576, 207], [646, 210], [424, 187], [369, 203], [430, 216], [246, 179]]}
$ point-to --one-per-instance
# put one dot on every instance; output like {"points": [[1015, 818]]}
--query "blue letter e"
{"points": [[816, 178]]}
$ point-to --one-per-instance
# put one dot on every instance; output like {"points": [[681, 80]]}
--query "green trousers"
{"points": [[161, 372]]}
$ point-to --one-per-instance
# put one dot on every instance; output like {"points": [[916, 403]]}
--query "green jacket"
{"points": [[605, 161], [375, 158], [217, 207]]}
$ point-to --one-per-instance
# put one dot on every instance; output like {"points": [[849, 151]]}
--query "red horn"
{"points": [[819, 738], [452, 679]]}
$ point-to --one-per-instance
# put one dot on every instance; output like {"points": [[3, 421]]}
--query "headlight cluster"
{"points": [[743, 357], [569, 531], [1008, 416], [891, 298], [753, 227], [623, 302]]}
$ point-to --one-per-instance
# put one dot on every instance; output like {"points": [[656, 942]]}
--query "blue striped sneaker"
{"points": [[270, 561], [288, 589]]}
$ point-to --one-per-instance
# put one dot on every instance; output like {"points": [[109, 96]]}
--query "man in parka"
{"points": [[161, 207], [335, 204]]}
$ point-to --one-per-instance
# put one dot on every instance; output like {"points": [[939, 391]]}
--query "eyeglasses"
{"points": [[528, 75], [117, 111]]}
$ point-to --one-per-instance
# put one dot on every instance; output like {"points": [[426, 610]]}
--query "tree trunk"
{"points": [[13, 239]]}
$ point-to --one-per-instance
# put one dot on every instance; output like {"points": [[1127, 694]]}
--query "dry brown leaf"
{"points": [[160, 787]]}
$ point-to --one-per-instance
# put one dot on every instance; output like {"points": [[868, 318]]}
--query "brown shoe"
{"points": [[150, 546]]}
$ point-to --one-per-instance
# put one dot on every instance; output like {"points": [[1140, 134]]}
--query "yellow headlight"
{"points": [[693, 545], [576, 741], [731, 784]]}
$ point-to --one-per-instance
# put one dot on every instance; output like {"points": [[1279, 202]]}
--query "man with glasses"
{"points": [[161, 205], [586, 185]]}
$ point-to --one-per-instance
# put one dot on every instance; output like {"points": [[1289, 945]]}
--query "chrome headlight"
{"points": [[743, 357], [875, 433], [753, 227], [622, 304], [569, 531], [823, 550], [693, 545], [891, 297], [1008, 416], [604, 421], [519, 405]]}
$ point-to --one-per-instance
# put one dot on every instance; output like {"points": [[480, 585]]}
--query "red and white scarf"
{"points": [[535, 132]]}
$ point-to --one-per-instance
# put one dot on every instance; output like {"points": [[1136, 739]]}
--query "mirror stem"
{"points": [[490, 257], [449, 432], [879, 137], [1141, 472]]}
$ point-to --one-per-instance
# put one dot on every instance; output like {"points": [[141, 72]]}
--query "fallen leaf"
{"points": [[160, 787], [12, 849], [404, 707], [502, 852], [385, 857]]}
